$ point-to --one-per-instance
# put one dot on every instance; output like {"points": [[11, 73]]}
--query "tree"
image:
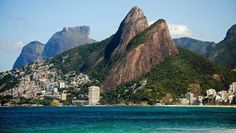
{"points": [[195, 89]]}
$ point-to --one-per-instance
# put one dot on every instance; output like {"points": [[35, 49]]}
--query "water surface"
{"points": [[117, 119]]}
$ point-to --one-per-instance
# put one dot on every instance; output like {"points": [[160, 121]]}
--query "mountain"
{"points": [[134, 23], [30, 53], [225, 51], [68, 38], [139, 63], [171, 79], [203, 48], [144, 51]]}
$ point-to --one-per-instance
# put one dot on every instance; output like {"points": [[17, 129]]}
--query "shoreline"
{"points": [[200, 106], [215, 106]]}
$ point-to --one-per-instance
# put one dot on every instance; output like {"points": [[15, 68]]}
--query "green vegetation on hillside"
{"points": [[73, 59], [225, 51], [172, 78], [8, 81], [142, 37]]}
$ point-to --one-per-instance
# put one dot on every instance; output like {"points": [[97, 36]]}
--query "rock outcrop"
{"points": [[66, 39], [30, 53], [134, 23], [145, 51], [225, 51]]}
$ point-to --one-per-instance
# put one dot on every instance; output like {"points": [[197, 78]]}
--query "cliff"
{"points": [[69, 37], [143, 52], [30, 53]]}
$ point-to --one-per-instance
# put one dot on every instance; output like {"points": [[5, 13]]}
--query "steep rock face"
{"points": [[203, 48], [68, 38], [30, 53], [152, 47], [225, 51], [134, 23]]}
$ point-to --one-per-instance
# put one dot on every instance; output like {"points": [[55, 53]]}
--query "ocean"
{"points": [[117, 119]]}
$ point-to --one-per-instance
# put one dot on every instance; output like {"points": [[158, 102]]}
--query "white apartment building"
{"points": [[94, 95], [189, 97]]}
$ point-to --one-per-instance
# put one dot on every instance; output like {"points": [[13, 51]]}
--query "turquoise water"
{"points": [[117, 119]]}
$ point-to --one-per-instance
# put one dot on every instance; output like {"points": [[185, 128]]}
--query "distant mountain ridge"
{"points": [[69, 37], [203, 48], [222, 53]]}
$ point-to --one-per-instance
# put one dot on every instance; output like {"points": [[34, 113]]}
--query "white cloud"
{"points": [[179, 30], [11, 47]]}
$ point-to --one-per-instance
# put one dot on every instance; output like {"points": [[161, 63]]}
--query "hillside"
{"points": [[225, 51], [171, 80], [76, 59], [203, 48]]}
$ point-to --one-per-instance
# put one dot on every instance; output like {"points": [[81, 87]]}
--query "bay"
{"points": [[117, 119]]}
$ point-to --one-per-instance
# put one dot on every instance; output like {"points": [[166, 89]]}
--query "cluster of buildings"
{"points": [[41, 80], [213, 97]]}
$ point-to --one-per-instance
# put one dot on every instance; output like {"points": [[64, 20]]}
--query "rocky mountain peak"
{"points": [[144, 51], [30, 53], [134, 15], [134, 23], [82, 29], [69, 37], [231, 33]]}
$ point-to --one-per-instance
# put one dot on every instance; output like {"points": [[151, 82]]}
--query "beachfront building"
{"points": [[94, 95], [190, 98], [231, 97], [211, 94], [200, 99], [232, 88], [218, 99], [223, 96]]}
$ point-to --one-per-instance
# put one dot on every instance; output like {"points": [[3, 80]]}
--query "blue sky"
{"points": [[23, 21]]}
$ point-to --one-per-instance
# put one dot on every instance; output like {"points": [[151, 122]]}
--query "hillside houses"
{"points": [[39, 80]]}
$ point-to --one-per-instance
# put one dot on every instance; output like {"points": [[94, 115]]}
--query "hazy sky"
{"points": [[23, 21]]}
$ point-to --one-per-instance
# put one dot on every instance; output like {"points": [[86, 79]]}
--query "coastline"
{"points": [[200, 106], [214, 106]]}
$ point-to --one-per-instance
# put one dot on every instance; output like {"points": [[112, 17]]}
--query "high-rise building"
{"points": [[189, 97], [94, 95]]}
